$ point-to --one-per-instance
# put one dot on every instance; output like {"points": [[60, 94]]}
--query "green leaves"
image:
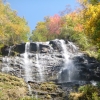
{"points": [[13, 29]]}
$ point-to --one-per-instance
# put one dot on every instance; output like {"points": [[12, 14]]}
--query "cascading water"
{"points": [[40, 68], [27, 63], [6, 63], [9, 51], [6, 68], [67, 73], [27, 66], [30, 90], [43, 62]]}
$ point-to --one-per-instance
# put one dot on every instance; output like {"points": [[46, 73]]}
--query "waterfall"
{"points": [[67, 73], [6, 63], [27, 63], [30, 90], [39, 67], [9, 51]]}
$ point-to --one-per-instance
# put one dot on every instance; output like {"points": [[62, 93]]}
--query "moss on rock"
{"points": [[11, 87]]}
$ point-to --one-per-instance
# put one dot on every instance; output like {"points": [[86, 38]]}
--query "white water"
{"points": [[30, 90], [9, 51], [39, 67], [68, 63], [6, 63], [94, 83], [27, 63]]}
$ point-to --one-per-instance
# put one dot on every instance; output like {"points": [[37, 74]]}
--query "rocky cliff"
{"points": [[57, 60]]}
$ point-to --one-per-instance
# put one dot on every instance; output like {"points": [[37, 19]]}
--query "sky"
{"points": [[34, 11]]}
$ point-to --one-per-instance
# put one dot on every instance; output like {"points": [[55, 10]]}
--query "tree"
{"points": [[13, 29], [40, 33], [54, 24], [92, 22]]}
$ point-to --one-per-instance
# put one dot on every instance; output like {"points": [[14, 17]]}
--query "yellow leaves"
{"points": [[92, 25], [1, 33], [72, 16], [93, 29], [41, 25], [94, 15], [92, 10], [11, 25], [91, 14]]}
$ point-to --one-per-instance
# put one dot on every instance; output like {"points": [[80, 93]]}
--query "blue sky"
{"points": [[35, 10]]}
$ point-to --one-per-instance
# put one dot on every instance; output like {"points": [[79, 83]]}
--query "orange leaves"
{"points": [[74, 21], [78, 28], [73, 15]]}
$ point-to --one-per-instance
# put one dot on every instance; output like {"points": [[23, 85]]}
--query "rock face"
{"points": [[36, 61], [5, 50], [88, 68], [19, 48], [48, 58], [56, 61], [47, 91]]}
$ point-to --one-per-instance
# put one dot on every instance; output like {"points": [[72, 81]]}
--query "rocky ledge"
{"points": [[47, 91], [40, 63]]}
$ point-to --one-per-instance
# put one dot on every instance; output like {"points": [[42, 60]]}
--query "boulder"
{"points": [[5, 50], [19, 48], [33, 47]]}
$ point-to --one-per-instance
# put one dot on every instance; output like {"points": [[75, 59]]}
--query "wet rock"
{"points": [[88, 67], [55, 44], [44, 48], [20, 48], [5, 50], [47, 90], [33, 47], [0, 59], [47, 62]]}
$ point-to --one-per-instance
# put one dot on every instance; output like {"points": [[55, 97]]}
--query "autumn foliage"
{"points": [[81, 26], [13, 29], [92, 23], [54, 24]]}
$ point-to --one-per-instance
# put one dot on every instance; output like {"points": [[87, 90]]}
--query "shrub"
{"points": [[87, 92]]}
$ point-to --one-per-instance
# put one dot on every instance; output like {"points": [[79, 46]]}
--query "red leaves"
{"points": [[54, 24]]}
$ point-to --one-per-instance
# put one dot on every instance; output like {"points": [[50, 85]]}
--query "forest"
{"points": [[13, 29], [81, 26]]}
